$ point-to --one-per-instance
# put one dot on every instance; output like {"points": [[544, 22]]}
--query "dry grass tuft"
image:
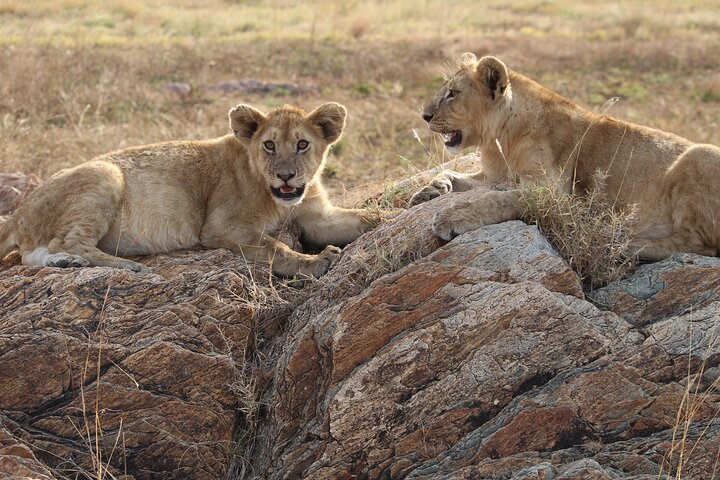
{"points": [[588, 231], [389, 258], [245, 387], [700, 388]]}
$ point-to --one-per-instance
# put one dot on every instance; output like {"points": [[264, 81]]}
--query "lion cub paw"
{"points": [[65, 260], [440, 185], [133, 266], [449, 223], [325, 259]]}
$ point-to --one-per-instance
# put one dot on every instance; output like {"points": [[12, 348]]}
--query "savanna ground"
{"points": [[82, 77]]}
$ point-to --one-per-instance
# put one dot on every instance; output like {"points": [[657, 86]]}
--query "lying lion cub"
{"points": [[529, 134], [223, 193]]}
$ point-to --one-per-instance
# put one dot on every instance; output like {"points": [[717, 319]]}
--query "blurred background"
{"points": [[82, 77]]}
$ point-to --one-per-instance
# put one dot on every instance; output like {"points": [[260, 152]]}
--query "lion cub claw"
{"points": [[325, 260], [439, 185], [65, 260]]}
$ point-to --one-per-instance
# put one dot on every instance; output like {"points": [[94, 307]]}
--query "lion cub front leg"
{"points": [[446, 182], [487, 207], [306, 265], [284, 261], [329, 225]]}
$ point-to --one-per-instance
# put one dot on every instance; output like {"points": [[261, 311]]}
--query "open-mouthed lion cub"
{"points": [[229, 192], [530, 134]]}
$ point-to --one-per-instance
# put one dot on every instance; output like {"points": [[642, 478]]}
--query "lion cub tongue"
{"points": [[453, 138], [287, 189]]}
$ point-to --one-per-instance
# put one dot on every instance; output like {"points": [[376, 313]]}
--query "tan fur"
{"points": [[214, 193], [545, 138]]}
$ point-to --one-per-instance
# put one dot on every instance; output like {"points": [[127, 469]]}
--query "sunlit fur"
{"points": [[529, 134]]}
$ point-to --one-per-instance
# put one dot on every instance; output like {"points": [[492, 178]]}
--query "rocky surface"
{"points": [[479, 358], [678, 285], [483, 359], [133, 372], [242, 86], [17, 459]]}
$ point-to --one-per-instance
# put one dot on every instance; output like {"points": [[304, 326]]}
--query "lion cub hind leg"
{"points": [[97, 258], [65, 218], [655, 250], [77, 249], [78, 256], [688, 219], [81, 240]]}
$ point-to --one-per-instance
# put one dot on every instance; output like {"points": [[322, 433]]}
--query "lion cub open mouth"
{"points": [[287, 192], [453, 139]]}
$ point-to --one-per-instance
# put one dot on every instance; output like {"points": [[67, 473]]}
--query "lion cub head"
{"points": [[465, 107], [287, 147]]}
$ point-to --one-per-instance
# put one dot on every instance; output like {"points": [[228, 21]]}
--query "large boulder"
{"points": [[412, 358], [482, 358], [133, 373]]}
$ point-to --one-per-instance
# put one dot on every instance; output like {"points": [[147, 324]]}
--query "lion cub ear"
{"points": [[493, 73], [330, 117], [467, 59], [245, 121]]}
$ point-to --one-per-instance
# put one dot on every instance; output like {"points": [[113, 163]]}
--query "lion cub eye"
{"points": [[269, 146], [451, 94], [302, 145]]}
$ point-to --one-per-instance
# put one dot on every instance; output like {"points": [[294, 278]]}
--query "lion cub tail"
{"points": [[8, 243]]}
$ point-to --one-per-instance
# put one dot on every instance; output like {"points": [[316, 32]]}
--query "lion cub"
{"points": [[531, 135], [229, 192]]}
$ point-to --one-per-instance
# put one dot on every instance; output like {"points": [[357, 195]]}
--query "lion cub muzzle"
{"points": [[282, 189], [452, 138]]}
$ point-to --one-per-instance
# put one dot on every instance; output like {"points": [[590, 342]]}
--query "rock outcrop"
{"points": [[484, 360], [479, 358], [108, 369]]}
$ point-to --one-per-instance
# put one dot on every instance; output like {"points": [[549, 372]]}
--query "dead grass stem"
{"points": [[697, 395]]}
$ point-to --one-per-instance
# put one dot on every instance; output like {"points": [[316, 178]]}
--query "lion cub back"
{"points": [[164, 194]]}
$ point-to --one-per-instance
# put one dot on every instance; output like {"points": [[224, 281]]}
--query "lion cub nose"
{"points": [[427, 117], [285, 176]]}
